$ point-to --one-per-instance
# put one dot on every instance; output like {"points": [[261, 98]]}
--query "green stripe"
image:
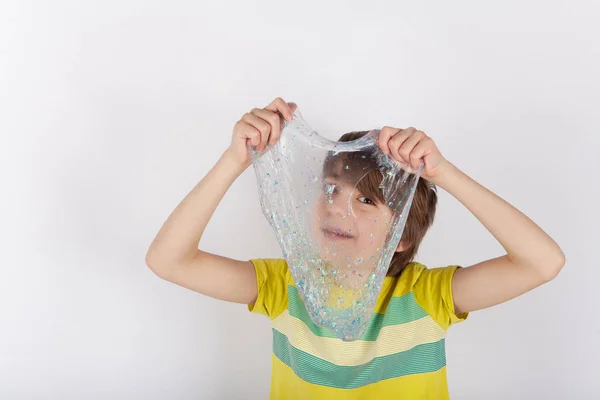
{"points": [[423, 358], [400, 310]]}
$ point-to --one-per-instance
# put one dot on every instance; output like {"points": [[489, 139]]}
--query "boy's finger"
{"points": [[293, 107], [279, 105], [252, 134], [409, 144], [397, 142], [416, 155], [272, 119], [247, 132], [384, 136], [261, 126]]}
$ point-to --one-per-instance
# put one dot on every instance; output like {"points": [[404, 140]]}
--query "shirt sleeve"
{"points": [[433, 292], [272, 283]]}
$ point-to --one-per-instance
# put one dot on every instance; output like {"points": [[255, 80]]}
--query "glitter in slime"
{"points": [[337, 235]]}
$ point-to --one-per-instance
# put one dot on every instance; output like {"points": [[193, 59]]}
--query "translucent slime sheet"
{"points": [[338, 210]]}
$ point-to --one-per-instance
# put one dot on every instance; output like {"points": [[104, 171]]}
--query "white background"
{"points": [[111, 111]]}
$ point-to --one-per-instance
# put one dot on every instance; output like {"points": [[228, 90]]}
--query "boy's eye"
{"points": [[365, 200]]}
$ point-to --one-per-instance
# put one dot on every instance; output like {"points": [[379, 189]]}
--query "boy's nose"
{"points": [[338, 206]]}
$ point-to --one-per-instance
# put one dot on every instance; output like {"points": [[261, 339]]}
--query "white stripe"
{"points": [[392, 339]]}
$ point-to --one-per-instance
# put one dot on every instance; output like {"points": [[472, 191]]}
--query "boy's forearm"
{"points": [[177, 240], [526, 244]]}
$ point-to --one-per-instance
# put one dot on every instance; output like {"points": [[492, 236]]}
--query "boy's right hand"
{"points": [[259, 127]]}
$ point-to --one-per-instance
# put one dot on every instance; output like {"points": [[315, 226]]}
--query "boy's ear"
{"points": [[402, 246]]}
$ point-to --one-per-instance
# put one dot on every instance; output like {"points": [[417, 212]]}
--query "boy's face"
{"points": [[350, 228]]}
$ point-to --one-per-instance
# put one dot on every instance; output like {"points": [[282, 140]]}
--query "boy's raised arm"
{"points": [[532, 257], [174, 254]]}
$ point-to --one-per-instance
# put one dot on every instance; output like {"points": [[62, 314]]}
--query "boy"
{"points": [[402, 354]]}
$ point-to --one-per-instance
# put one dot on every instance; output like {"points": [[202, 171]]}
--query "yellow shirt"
{"points": [[401, 354]]}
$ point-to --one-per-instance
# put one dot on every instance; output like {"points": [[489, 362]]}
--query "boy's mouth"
{"points": [[336, 234]]}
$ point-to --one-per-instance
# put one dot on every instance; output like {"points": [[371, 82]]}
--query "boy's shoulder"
{"points": [[416, 275], [429, 289], [407, 279]]}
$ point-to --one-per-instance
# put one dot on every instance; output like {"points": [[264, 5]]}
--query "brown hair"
{"points": [[423, 207]]}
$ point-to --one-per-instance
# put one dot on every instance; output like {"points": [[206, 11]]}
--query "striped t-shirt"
{"points": [[401, 354]]}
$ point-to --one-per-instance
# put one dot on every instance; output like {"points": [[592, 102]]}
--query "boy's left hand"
{"points": [[411, 146]]}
